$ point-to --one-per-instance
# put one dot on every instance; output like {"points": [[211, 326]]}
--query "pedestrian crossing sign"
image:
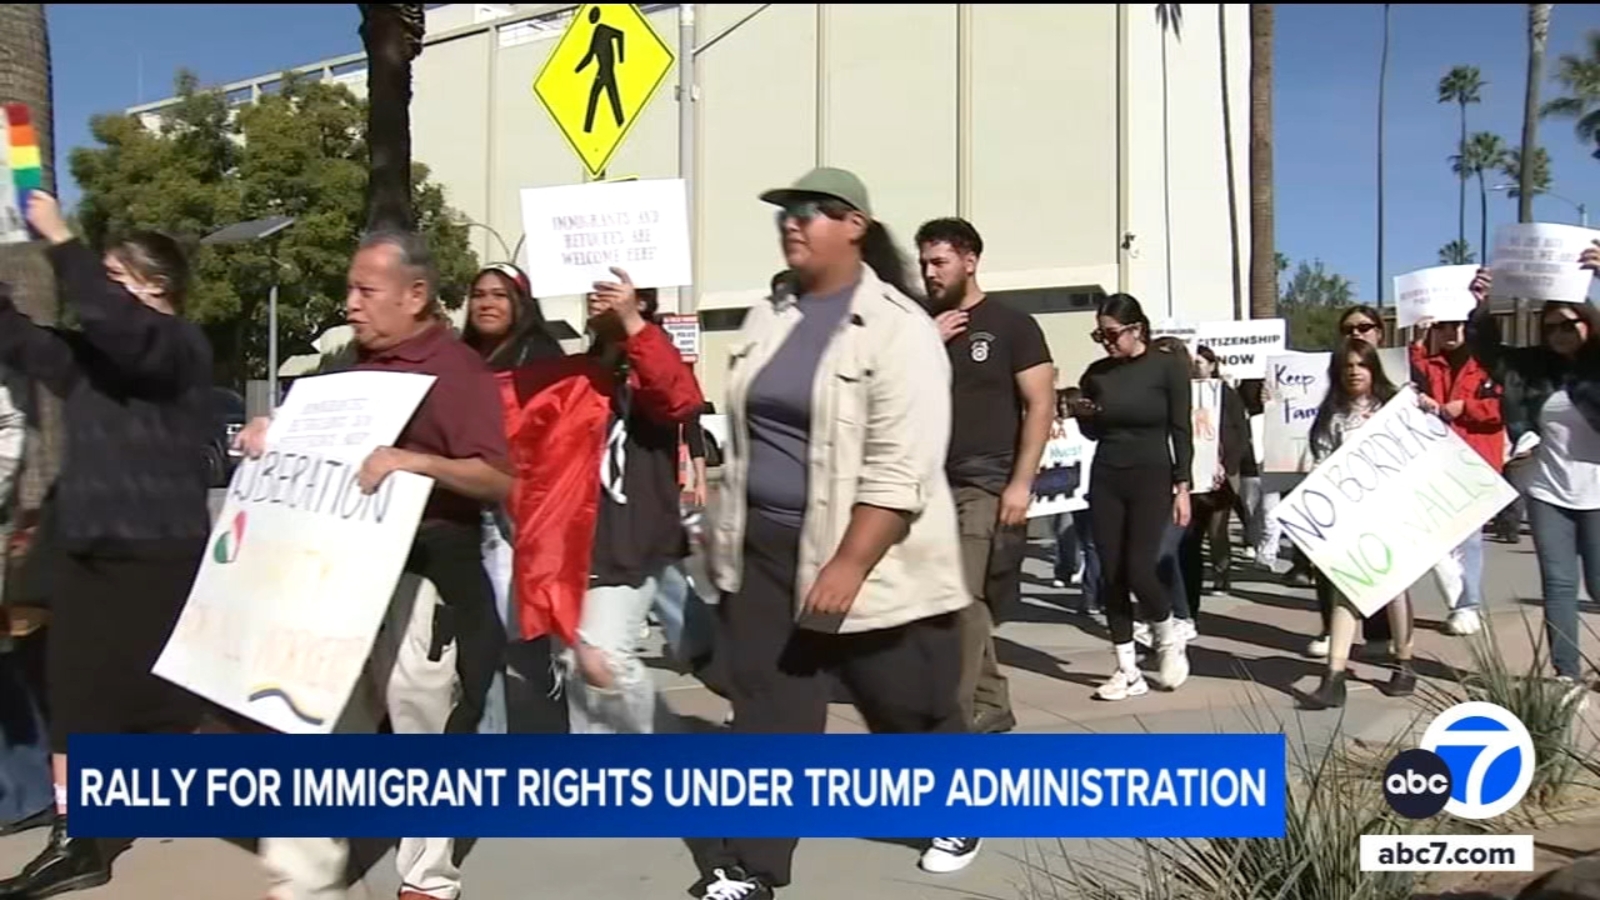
{"points": [[600, 76]]}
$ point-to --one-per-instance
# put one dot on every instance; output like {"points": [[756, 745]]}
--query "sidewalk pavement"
{"points": [[1246, 663]]}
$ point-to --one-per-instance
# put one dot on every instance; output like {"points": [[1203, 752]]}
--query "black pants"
{"points": [[110, 619], [903, 679], [1373, 628], [451, 556], [533, 705], [1132, 508], [1208, 523]]}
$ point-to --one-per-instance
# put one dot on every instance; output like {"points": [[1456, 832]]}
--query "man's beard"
{"points": [[947, 298]]}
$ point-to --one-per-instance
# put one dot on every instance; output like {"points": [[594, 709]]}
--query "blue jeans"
{"points": [[1075, 542], [1562, 538], [1170, 570], [1472, 572]]}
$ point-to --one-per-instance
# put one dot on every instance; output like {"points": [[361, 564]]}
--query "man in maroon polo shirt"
{"points": [[443, 632]]}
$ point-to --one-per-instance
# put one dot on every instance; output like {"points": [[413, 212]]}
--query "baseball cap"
{"points": [[836, 184]]}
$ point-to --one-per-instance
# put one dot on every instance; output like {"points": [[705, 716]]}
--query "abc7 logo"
{"points": [[1476, 762]]}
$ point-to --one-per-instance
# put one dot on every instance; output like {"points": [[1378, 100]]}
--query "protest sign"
{"points": [[15, 138], [299, 572], [685, 333], [576, 233], [1241, 347], [1395, 498], [1205, 428], [1062, 485], [1441, 293], [1295, 386], [1539, 261]]}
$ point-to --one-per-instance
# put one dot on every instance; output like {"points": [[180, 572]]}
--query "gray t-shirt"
{"points": [[779, 411]]}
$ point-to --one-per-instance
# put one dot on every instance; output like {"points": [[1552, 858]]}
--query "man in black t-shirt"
{"points": [[1003, 405]]}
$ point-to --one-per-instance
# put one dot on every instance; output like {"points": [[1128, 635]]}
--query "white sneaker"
{"points": [[1318, 648], [1122, 685], [1141, 634], [1187, 631], [1077, 577], [946, 855], [1463, 622], [1058, 584], [1171, 657], [1250, 554]]}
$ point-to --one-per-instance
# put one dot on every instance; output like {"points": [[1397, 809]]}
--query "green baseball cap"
{"points": [[835, 184]]}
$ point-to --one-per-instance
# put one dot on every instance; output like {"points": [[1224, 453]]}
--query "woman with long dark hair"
{"points": [[1209, 521], [844, 560], [1357, 389], [130, 517], [507, 327], [1552, 416], [1136, 406]]}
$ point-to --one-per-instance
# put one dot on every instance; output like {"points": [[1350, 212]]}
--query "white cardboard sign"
{"points": [[1440, 293], [576, 233], [1539, 261], [1242, 347], [302, 565], [1062, 485]]}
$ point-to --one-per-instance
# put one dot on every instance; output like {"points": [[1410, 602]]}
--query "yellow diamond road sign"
{"points": [[598, 79]]}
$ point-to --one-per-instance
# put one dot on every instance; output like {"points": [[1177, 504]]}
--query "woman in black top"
{"points": [[1136, 406], [130, 517]]}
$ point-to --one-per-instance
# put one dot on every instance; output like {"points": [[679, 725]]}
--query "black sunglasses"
{"points": [[1110, 335], [1362, 328], [803, 211], [1563, 326]]}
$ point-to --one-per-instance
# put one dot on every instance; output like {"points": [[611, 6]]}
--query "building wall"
{"points": [[1043, 124]]}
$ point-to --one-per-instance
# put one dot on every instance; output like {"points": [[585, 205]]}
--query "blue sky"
{"points": [[108, 57]]}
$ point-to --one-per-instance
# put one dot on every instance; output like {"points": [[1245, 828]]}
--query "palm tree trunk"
{"points": [[1166, 174], [1461, 206], [1383, 80], [1263, 251], [1538, 34], [1227, 153], [1483, 221], [25, 78], [391, 33]]}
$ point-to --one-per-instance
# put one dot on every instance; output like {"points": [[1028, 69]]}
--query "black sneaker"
{"points": [[732, 883], [65, 864], [946, 855]]}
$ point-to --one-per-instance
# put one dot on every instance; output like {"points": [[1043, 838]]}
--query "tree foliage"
{"points": [[1539, 178], [1456, 253], [1311, 302], [300, 151], [1580, 75]]}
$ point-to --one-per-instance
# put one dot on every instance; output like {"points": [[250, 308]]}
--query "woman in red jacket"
{"points": [[594, 440], [1458, 387]]}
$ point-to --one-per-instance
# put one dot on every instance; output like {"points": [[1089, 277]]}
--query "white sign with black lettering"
{"points": [[1242, 347], [1539, 261], [577, 233]]}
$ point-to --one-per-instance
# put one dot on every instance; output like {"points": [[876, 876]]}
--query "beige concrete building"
{"points": [[1084, 141]]}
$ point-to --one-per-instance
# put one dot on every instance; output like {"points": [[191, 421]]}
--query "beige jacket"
{"points": [[880, 426]]}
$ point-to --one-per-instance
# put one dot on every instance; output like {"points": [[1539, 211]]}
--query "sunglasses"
{"points": [[1362, 328], [804, 211], [1567, 327], [1109, 335]]}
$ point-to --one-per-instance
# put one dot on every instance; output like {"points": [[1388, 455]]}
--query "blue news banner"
{"points": [[714, 785]]}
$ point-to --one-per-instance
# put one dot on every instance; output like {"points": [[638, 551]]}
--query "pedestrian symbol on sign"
{"points": [[605, 68]]}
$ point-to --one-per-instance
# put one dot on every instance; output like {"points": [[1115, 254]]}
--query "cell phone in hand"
{"points": [[1083, 406]]}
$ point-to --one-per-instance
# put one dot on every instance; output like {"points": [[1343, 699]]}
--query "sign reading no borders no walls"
{"points": [[1241, 346], [1397, 496]]}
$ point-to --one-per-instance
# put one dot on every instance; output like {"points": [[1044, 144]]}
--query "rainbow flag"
{"points": [[26, 172]]}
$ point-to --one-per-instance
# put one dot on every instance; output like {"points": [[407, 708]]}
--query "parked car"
{"points": [[221, 459]]}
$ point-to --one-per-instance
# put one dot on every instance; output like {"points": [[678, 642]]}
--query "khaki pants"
{"points": [[418, 694], [991, 558]]}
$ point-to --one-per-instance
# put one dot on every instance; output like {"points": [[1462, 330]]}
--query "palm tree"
{"points": [[1462, 85], [1483, 152], [1170, 17], [1538, 36], [1383, 81], [1227, 155], [1263, 253], [1538, 177], [1456, 253], [1581, 77], [25, 78], [391, 34]]}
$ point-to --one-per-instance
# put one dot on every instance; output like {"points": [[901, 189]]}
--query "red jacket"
{"points": [[557, 412], [1481, 423]]}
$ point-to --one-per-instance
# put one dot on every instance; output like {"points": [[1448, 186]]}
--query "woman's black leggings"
{"points": [[1132, 508]]}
